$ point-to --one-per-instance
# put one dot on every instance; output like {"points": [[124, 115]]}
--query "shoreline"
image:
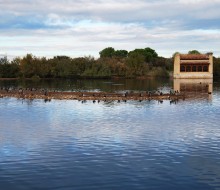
{"points": [[94, 96], [88, 78]]}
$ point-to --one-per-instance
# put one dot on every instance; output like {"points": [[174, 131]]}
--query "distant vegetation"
{"points": [[112, 63], [216, 67], [194, 52]]}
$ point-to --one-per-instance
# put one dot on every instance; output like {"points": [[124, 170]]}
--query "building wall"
{"points": [[176, 71], [192, 75], [211, 64]]}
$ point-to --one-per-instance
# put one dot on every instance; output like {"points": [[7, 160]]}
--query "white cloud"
{"points": [[82, 27]]}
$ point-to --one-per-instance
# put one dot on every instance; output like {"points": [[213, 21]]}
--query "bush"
{"points": [[158, 72], [35, 77]]}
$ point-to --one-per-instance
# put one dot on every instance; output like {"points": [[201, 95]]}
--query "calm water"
{"points": [[134, 145]]}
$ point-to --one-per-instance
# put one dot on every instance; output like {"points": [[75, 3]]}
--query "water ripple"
{"points": [[69, 145]]}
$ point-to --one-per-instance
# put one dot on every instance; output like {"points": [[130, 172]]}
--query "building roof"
{"points": [[195, 63], [194, 57]]}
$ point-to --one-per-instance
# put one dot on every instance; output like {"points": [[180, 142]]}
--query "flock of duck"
{"points": [[48, 95]]}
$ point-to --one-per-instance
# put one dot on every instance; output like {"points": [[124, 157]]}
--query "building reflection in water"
{"points": [[194, 88]]}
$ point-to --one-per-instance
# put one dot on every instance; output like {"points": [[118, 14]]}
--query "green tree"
{"points": [[26, 66], [216, 66], [149, 54], [7, 69], [107, 52], [4, 60], [121, 53], [194, 52], [136, 65]]}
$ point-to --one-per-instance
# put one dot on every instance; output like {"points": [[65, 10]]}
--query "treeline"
{"points": [[112, 63], [216, 67]]}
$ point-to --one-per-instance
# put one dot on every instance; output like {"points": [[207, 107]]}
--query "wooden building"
{"points": [[191, 66]]}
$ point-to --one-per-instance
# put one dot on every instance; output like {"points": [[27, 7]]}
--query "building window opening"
{"points": [[182, 68], [205, 68], [188, 68], [199, 68], [194, 68]]}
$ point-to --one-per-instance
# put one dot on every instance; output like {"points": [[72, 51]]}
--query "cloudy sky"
{"points": [[84, 27]]}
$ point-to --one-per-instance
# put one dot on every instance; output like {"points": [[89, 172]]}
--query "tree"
{"points": [[149, 54], [61, 57], [4, 60], [121, 53], [136, 65], [216, 66], [194, 52], [107, 52], [26, 66], [8, 69]]}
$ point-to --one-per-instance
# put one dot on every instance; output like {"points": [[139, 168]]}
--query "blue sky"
{"points": [[82, 27]]}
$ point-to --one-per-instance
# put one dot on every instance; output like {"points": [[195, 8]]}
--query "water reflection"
{"points": [[110, 145], [194, 88], [107, 85], [69, 145]]}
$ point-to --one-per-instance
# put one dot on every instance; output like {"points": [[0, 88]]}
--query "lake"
{"points": [[65, 144]]}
